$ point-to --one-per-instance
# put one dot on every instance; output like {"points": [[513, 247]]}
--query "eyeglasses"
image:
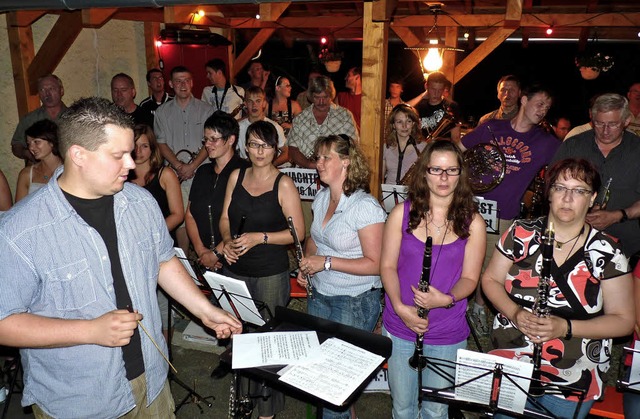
{"points": [[610, 125], [213, 140], [560, 189], [452, 171], [263, 146]]}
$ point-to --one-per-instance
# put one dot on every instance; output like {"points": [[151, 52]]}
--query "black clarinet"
{"points": [[417, 361], [298, 252], [540, 308], [240, 227]]}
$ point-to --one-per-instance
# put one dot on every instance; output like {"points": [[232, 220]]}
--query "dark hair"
{"points": [[155, 160], [438, 77], [357, 71], [84, 122], [123, 76], [579, 169], [395, 80], [532, 90], [50, 76], [150, 72], [217, 64], [46, 130], [265, 131], [179, 69], [358, 171], [223, 123], [461, 209]]}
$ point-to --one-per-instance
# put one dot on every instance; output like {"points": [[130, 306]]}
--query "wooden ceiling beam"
{"points": [[251, 49], [96, 17], [55, 46], [271, 12], [513, 14], [135, 15], [24, 17], [383, 10], [478, 54], [179, 14], [407, 35]]}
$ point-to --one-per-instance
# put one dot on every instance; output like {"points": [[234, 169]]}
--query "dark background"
{"points": [[550, 63]]}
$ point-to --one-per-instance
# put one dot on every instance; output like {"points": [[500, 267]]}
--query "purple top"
{"points": [[446, 326], [526, 153]]}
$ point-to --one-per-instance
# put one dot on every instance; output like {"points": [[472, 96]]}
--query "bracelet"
{"points": [[266, 238], [218, 254], [569, 334], [453, 300]]}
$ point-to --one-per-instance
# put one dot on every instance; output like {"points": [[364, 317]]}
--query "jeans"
{"points": [[361, 311], [558, 406], [403, 380], [631, 403]]}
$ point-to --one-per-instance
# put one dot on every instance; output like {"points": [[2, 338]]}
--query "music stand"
{"points": [[292, 320], [498, 376], [393, 195], [191, 392], [629, 378]]}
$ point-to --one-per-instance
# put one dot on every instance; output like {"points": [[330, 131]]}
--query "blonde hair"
{"points": [[358, 171]]}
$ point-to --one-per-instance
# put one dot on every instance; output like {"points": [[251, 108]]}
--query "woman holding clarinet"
{"points": [[589, 298], [440, 206]]}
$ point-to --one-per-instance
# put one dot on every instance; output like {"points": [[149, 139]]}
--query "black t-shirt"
{"points": [[98, 213], [142, 116], [430, 116], [208, 188]]}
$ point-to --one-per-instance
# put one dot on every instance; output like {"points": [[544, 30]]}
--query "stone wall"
{"points": [[86, 70]]}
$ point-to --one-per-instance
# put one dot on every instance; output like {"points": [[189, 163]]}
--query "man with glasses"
{"points": [[615, 152], [178, 127], [50, 90], [321, 119], [527, 149], [255, 102]]}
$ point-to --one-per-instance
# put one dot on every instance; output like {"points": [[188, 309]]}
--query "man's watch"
{"points": [[327, 263], [625, 217]]}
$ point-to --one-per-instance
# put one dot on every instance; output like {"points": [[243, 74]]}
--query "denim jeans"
{"points": [[631, 403], [558, 406], [403, 380], [361, 311]]}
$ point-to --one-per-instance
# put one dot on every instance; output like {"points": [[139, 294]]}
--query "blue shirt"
{"points": [[339, 238], [55, 265]]}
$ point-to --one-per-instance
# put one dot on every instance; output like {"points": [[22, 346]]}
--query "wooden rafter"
{"points": [[96, 18], [22, 53], [251, 49], [271, 12]]}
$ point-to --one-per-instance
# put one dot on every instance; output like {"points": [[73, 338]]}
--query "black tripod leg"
{"points": [[473, 332], [191, 393]]}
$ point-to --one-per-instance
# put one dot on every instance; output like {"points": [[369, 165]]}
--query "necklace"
{"points": [[559, 244], [438, 228]]}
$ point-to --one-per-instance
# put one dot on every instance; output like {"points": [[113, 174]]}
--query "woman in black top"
{"points": [[256, 249]]}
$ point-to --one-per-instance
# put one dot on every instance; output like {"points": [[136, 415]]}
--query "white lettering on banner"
{"points": [[488, 209], [306, 180]]}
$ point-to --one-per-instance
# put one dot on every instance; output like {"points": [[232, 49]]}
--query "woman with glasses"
{"points": [[281, 108], [440, 205], [257, 203], [590, 295], [403, 144], [343, 252]]}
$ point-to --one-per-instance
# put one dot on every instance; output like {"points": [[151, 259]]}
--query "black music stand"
{"points": [[447, 394], [624, 383], [292, 320]]}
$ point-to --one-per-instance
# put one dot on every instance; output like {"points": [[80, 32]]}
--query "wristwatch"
{"points": [[625, 217], [327, 263]]}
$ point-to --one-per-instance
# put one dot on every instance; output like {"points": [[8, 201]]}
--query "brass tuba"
{"points": [[447, 123]]}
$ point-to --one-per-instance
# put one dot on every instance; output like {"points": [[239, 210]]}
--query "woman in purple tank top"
{"points": [[440, 205]]}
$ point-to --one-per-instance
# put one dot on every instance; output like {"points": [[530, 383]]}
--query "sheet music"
{"points": [[239, 294], [479, 391], [339, 372], [274, 348], [185, 262], [634, 374]]}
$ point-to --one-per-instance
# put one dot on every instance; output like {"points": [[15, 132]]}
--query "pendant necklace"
{"points": [[438, 228], [559, 244]]}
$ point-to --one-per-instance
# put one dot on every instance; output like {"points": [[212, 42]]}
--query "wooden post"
{"points": [[374, 78], [22, 53]]}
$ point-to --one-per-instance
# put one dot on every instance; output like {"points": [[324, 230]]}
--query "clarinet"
{"points": [[540, 308], [240, 227], [417, 361], [298, 252]]}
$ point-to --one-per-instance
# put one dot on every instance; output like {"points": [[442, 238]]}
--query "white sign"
{"points": [[488, 209], [306, 180]]}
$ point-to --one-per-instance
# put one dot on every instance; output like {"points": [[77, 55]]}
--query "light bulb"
{"points": [[158, 43], [201, 13], [433, 60], [323, 40], [549, 30]]}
